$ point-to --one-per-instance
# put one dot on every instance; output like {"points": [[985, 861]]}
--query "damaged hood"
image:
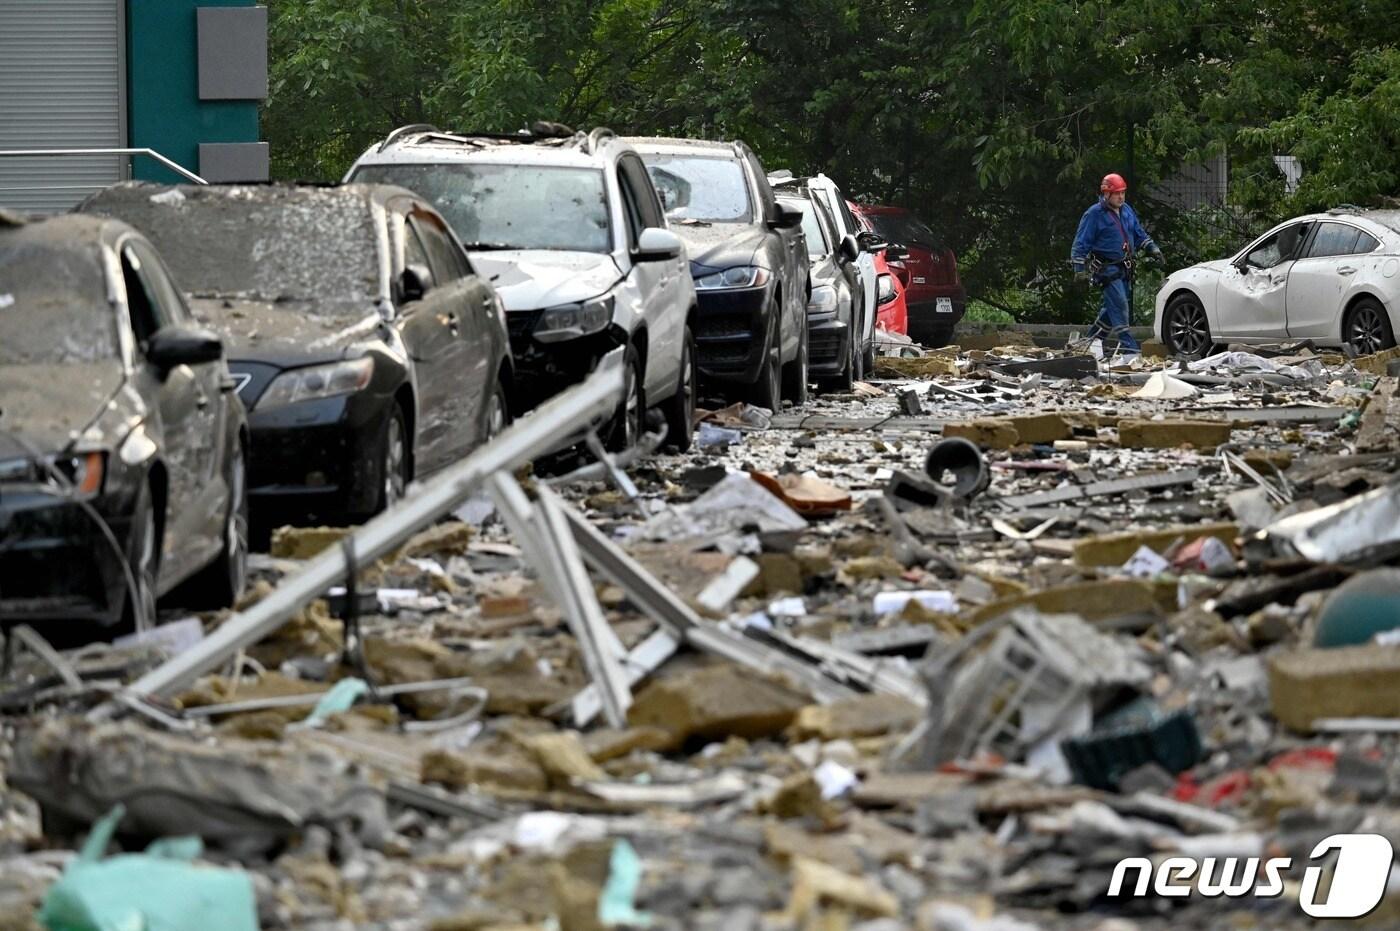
{"points": [[530, 279], [285, 331], [47, 412], [720, 245]]}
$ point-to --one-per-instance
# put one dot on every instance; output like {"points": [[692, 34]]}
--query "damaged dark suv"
{"points": [[747, 260], [122, 444], [366, 348]]}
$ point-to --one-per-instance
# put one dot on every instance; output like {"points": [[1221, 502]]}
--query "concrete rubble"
{"points": [[849, 693]]}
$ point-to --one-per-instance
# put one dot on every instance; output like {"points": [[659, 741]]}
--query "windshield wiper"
{"points": [[487, 246]]}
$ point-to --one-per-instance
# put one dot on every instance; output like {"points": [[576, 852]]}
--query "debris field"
{"points": [[936, 654]]}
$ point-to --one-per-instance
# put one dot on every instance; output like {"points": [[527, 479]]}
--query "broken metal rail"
{"points": [[564, 417], [149, 153]]}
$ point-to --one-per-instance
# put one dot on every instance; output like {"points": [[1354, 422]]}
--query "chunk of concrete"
{"points": [[304, 542], [1042, 428], [987, 432], [1114, 549], [715, 702], [1341, 682], [1171, 434], [863, 716], [495, 763]]}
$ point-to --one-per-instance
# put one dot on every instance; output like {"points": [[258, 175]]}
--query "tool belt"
{"points": [[1105, 271]]}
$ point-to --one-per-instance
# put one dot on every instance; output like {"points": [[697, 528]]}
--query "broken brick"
{"points": [[986, 433], [1339, 682], [1170, 434], [715, 701]]}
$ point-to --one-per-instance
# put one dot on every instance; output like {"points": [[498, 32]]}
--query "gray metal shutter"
{"points": [[60, 87]]}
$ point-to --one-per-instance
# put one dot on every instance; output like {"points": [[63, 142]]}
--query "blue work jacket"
{"points": [[1104, 235]]}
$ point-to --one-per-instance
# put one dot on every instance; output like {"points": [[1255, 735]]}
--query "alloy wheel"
{"points": [[1367, 330], [394, 459], [1189, 330]]}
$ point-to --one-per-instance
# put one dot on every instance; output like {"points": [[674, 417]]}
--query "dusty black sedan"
{"points": [[365, 347], [122, 444]]}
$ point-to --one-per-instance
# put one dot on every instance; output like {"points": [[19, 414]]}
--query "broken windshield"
{"points": [[53, 306], [704, 189], [510, 206], [269, 244]]}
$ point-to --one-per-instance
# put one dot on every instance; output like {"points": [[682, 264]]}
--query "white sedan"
{"points": [[1330, 277]]}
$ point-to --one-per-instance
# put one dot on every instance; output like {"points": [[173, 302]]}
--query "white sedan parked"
{"points": [[1330, 277]]}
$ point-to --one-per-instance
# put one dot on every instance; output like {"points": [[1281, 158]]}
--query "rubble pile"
{"points": [[937, 654]]}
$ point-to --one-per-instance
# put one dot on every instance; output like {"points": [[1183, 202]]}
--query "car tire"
{"points": [[392, 466], [795, 373], [143, 560], [629, 422], [680, 409], [1185, 328], [497, 413], [1367, 327], [220, 584], [768, 390]]}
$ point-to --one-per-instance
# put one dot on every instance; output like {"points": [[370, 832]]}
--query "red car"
{"points": [[892, 312], [935, 296]]}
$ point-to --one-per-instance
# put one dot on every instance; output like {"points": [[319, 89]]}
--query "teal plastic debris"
{"points": [[341, 697], [1359, 608], [159, 890], [616, 905]]}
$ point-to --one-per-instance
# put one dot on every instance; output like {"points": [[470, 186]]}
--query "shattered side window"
{"points": [[710, 190], [510, 206], [311, 250], [53, 306]]}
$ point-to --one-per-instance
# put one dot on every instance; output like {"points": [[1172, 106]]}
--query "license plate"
{"points": [[945, 305]]}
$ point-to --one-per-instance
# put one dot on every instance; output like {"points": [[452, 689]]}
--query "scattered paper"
{"points": [[890, 602], [1163, 387], [6, 300], [835, 780], [1146, 563]]}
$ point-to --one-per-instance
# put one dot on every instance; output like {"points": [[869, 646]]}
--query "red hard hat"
{"points": [[1112, 184]]}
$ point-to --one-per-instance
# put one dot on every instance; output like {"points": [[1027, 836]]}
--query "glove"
{"points": [[1155, 251]]}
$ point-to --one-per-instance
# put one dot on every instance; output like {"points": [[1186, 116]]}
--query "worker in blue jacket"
{"points": [[1105, 247]]}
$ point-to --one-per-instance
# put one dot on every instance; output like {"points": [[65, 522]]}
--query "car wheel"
{"points": [[846, 378], [680, 409], [795, 373], [497, 414], [1367, 328], [393, 461], [629, 421], [221, 583], [1185, 329], [143, 559], [767, 391]]}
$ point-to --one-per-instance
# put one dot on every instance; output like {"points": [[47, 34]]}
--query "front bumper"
{"points": [[731, 335], [542, 370], [55, 563], [827, 339], [315, 457]]}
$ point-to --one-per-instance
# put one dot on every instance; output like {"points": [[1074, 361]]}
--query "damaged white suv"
{"points": [[572, 235]]}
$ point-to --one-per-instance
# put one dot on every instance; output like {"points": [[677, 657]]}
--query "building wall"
{"points": [[169, 103]]}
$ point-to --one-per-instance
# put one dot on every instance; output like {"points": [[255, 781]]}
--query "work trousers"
{"points": [[1112, 321]]}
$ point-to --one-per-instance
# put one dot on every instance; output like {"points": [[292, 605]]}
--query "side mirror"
{"points": [[786, 218], [871, 241], [894, 252], [182, 344], [415, 282], [849, 250], [657, 245]]}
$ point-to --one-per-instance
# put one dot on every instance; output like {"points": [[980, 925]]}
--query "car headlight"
{"points": [[884, 289], [570, 321], [317, 381], [740, 276], [84, 471], [823, 299]]}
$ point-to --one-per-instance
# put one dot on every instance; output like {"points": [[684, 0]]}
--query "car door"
{"points": [[660, 284], [1321, 278], [188, 399], [794, 262], [469, 361], [1251, 297], [427, 326], [841, 215]]}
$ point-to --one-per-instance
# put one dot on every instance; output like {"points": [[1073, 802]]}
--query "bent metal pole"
{"points": [[548, 428]]}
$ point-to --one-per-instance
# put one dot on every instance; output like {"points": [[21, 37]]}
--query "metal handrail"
{"points": [[179, 170]]}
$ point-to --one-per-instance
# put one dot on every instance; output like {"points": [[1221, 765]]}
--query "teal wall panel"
{"points": [[164, 111]]}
